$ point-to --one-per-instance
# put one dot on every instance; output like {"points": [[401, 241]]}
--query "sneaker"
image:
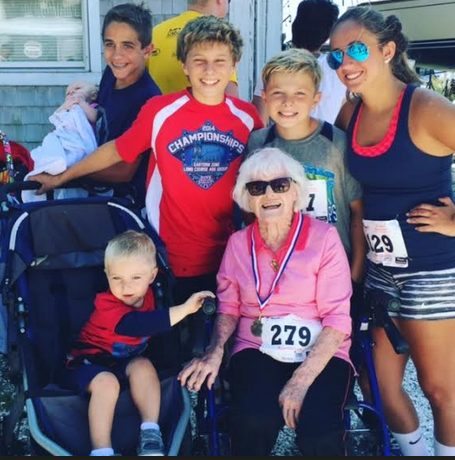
{"points": [[150, 443]]}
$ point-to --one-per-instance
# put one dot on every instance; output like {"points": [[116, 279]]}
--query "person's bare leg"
{"points": [[104, 390], [433, 353], [400, 413], [145, 388]]}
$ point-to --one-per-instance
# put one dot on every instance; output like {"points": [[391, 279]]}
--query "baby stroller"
{"points": [[15, 160], [15, 163], [54, 268]]}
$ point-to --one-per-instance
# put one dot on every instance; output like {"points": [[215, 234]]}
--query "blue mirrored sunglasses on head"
{"points": [[355, 50]]}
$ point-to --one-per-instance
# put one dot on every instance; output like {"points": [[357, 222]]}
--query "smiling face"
{"points": [[209, 67], [129, 278], [361, 76], [290, 97], [124, 53], [273, 207]]}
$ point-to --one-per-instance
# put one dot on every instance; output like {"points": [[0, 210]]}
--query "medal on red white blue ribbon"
{"points": [[256, 326]]}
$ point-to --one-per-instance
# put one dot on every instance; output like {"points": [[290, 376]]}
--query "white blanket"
{"points": [[72, 139]]}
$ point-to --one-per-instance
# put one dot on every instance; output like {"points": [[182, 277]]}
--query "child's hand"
{"points": [[194, 303]]}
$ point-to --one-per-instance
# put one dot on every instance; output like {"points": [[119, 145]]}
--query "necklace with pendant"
{"points": [[275, 265], [256, 325]]}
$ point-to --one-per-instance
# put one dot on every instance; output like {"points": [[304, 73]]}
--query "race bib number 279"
{"points": [[289, 338]]}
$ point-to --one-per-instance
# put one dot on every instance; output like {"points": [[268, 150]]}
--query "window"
{"points": [[49, 36]]}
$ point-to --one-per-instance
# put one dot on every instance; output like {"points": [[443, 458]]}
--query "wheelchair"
{"points": [[366, 429]]}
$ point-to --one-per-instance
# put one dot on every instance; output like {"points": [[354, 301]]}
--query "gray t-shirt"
{"points": [[332, 188]]}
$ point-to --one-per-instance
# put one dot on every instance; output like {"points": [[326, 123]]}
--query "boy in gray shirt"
{"points": [[291, 90]]}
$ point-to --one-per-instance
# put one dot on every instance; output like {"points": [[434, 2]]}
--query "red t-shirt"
{"points": [[98, 335], [196, 153]]}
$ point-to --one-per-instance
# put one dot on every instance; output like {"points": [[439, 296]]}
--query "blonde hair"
{"points": [[130, 243], [209, 29], [293, 60], [92, 91], [269, 161]]}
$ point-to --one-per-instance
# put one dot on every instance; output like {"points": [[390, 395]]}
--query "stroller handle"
{"points": [[92, 187], [14, 187]]}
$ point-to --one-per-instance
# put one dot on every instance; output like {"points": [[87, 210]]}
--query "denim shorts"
{"points": [[79, 377]]}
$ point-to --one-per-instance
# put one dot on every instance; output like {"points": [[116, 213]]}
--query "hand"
{"points": [[291, 400], [48, 182], [71, 100], [194, 374], [194, 303], [430, 218]]}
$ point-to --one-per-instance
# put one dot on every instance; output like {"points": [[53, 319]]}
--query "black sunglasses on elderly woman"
{"points": [[279, 185]]}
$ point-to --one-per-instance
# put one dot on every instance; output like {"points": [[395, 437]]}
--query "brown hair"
{"points": [[386, 29]]}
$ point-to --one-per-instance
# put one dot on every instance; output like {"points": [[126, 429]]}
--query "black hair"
{"points": [[313, 23], [137, 16], [386, 29]]}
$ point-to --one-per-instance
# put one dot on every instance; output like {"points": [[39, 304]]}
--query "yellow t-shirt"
{"points": [[163, 65]]}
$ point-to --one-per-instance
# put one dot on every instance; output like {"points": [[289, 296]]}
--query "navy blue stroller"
{"points": [[54, 268]]}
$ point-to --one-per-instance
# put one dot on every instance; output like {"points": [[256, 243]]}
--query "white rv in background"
{"points": [[429, 26]]}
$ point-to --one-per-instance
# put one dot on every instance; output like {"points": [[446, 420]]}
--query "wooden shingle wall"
{"points": [[24, 110]]}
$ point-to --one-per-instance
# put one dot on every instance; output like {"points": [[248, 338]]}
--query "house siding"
{"points": [[25, 110]]}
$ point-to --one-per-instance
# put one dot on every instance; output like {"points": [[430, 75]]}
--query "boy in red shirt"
{"points": [[198, 138], [108, 351]]}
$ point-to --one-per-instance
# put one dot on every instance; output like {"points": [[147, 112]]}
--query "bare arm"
{"points": [[192, 305], [431, 123], [207, 367], [430, 218], [120, 172], [292, 396], [358, 243], [101, 158]]}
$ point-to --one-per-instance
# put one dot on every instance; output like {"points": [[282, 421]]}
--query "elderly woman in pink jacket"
{"points": [[284, 291]]}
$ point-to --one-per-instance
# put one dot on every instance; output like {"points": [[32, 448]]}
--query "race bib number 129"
{"points": [[385, 243]]}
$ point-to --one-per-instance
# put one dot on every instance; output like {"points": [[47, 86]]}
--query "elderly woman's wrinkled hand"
{"points": [[291, 400], [194, 374]]}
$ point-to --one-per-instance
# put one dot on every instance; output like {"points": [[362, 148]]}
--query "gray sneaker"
{"points": [[150, 443]]}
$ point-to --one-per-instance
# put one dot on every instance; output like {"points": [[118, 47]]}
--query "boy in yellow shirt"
{"points": [[163, 65]]}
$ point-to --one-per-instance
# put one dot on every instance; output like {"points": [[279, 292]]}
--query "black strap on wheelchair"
{"points": [[379, 303]]}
